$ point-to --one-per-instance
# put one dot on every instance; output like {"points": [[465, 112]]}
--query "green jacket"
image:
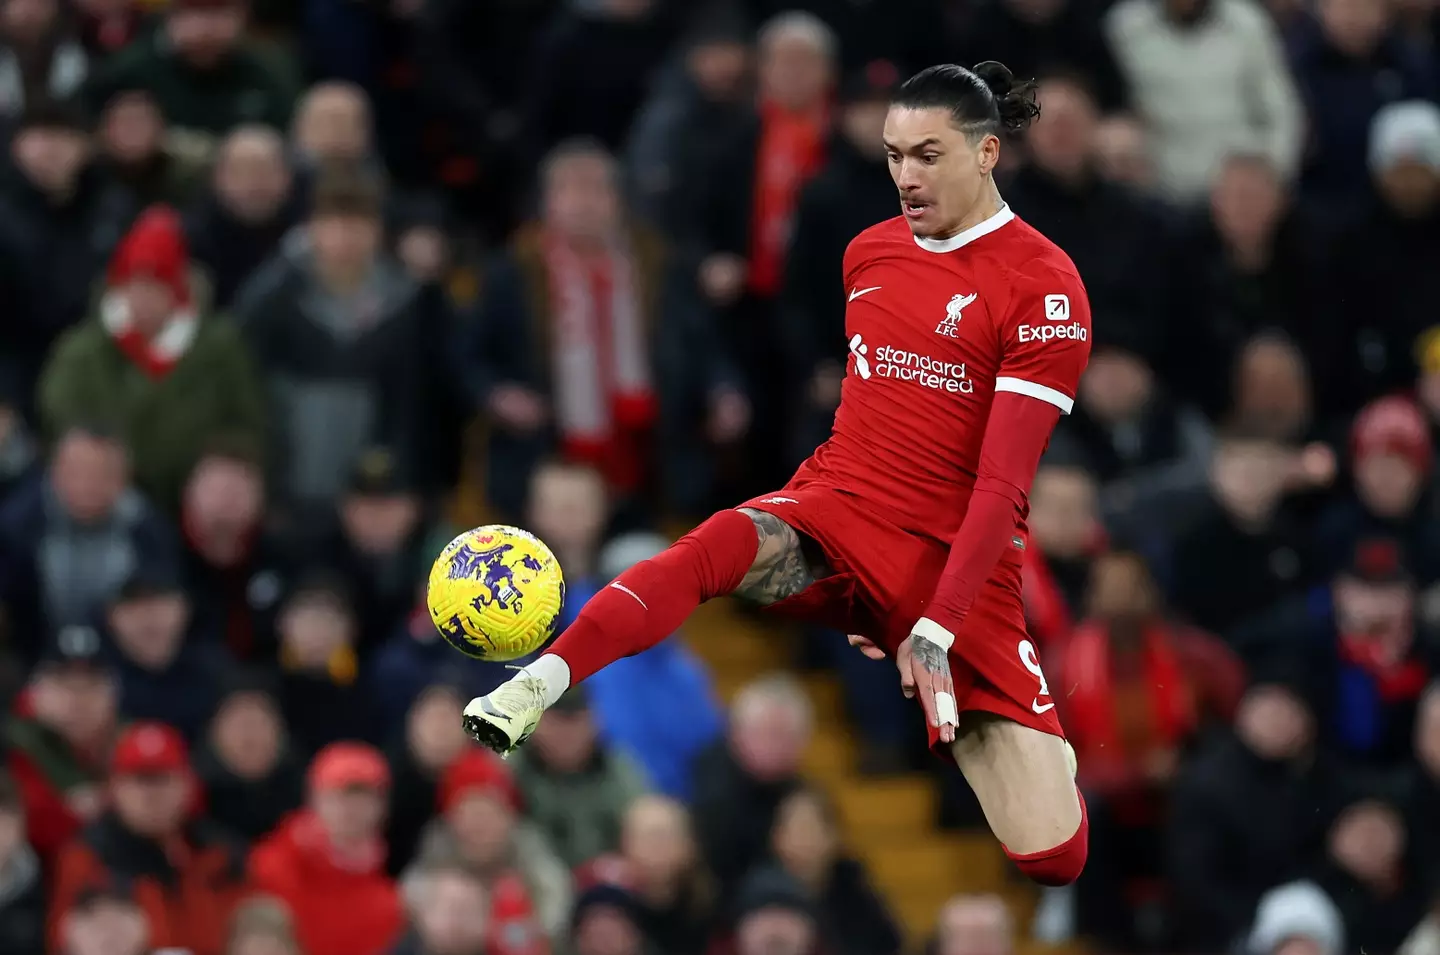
{"points": [[213, 392], [581, 813], [246, 88]]}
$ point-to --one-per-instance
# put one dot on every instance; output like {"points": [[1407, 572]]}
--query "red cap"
{"points": [[1393, 425], [154, 248], [343, 765], [148, 748], [477, 770]]}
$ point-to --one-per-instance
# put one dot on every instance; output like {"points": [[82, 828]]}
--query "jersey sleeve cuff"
{"points": [[1031, 389]]}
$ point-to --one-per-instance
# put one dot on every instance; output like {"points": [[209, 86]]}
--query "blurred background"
{"points": [[293, 290]]}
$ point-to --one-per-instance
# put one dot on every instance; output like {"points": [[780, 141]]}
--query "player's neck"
{"points": [[986, 206]]}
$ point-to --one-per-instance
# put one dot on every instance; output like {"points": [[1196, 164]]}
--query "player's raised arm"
{"points": [[1046, 344]]}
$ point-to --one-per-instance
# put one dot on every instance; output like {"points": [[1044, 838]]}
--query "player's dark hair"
{"points": [[985, 99]]}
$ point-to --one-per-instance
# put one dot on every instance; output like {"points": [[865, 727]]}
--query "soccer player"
{"points": [[968, 333]]}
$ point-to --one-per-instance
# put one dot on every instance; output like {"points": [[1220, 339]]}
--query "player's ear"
{"points": [[989, 154]]}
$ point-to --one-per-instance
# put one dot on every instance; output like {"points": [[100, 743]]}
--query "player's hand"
{"points": [[866, 646], [517, 408], [722, 277], [925, 670], [729, 416]]}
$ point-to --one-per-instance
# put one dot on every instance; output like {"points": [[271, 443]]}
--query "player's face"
{"points": [[937, 169]]}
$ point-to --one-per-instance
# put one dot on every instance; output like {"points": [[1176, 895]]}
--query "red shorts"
{"points": [[883, 579]]}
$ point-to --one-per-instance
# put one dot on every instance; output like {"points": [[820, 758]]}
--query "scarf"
{"points": [[1395, 682], [604, 400], [156, 355], [792, 149], [1097, 715]]}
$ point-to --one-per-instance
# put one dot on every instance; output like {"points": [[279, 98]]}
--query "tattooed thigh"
{"points": [[781, 568]]}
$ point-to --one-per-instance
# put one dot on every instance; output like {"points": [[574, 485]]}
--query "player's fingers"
{"points": [[946, 711], [903, 659]]}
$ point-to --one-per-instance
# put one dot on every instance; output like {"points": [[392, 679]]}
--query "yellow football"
{"points": [[495, 593]]}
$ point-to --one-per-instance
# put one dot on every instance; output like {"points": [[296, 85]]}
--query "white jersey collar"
{"points": [[969, 235]]}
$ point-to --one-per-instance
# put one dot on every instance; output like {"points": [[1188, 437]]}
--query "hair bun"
{"points": [[1014, 99]]}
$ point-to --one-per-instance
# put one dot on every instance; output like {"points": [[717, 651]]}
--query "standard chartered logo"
{"points": [[924, 370]]}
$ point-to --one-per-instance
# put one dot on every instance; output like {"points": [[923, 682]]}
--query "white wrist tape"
{"points": [[927, 629]]}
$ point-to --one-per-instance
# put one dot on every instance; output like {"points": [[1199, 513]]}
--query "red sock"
{"points": [[1062, 864], [649, 601]]}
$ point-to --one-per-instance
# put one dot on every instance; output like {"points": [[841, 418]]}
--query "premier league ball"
{"points": [[495, 593]]}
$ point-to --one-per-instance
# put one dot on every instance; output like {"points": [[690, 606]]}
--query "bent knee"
{"points": [[1024, 780], [1062, 864]]}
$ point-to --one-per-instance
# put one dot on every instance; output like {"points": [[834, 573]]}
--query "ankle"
{"points": [[554, 675]]}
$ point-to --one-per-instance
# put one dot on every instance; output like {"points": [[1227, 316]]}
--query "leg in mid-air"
{"points": [[1021, 770], [748, 553]]}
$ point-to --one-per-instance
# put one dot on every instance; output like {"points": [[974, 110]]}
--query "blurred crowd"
{"points": [[280, 276]]}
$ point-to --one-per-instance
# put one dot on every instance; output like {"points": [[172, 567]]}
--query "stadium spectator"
{"points": [[155, 361], [1293, 915], [696, 106], [22, 892], [850, 192], [186, 874], [39, 56], [479, 826], [237, 569], [373, 541], [432, 740], [537, 360], [773, 916], [449, 915], [326, 861], [202, 72], [1244, 550], [250, 205], [572, 788], [95, 527], [1260, 256], [132, 150], [169, 672], [806, 845], [623, 41], [1140, 689], [1339, 58], [250, 771], [1229, 58], [332, 124], [742, 780], [1370, 873], [320, 690], [105, 919], [262, 926], [1391, 462], [1250, 811], [1065, 537], [975, 925], [59, 218], [335, 325], [1400, 223], [58, 736], [659, 866], [607, 922], [752, 191]]}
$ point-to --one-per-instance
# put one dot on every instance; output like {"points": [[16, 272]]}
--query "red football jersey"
{"points": [[936, 327]]}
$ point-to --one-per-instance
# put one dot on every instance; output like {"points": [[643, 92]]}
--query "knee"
{"points": [[1062, 864]]}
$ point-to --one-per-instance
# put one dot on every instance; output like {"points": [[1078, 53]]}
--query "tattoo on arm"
{"points": [[929, 654], [780, 569]]}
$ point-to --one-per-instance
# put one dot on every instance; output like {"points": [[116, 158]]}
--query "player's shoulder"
{"points": [[884, 238], [1029, 257]]}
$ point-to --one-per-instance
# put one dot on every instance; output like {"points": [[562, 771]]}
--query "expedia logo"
{"points": [[1074, 332]]}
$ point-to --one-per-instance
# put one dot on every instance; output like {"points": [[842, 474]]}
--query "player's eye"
{"points": [[894, 157], [930, 158]]}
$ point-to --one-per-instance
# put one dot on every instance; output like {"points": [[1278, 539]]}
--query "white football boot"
{"points": [[505, 717]]}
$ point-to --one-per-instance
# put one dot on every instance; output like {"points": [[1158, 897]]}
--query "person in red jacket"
{"points": [[57, 737], [327, 861]]}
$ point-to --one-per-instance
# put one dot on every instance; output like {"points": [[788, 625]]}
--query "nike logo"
{"points": [[1035, 705], [863, 291], [490, 709]]}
